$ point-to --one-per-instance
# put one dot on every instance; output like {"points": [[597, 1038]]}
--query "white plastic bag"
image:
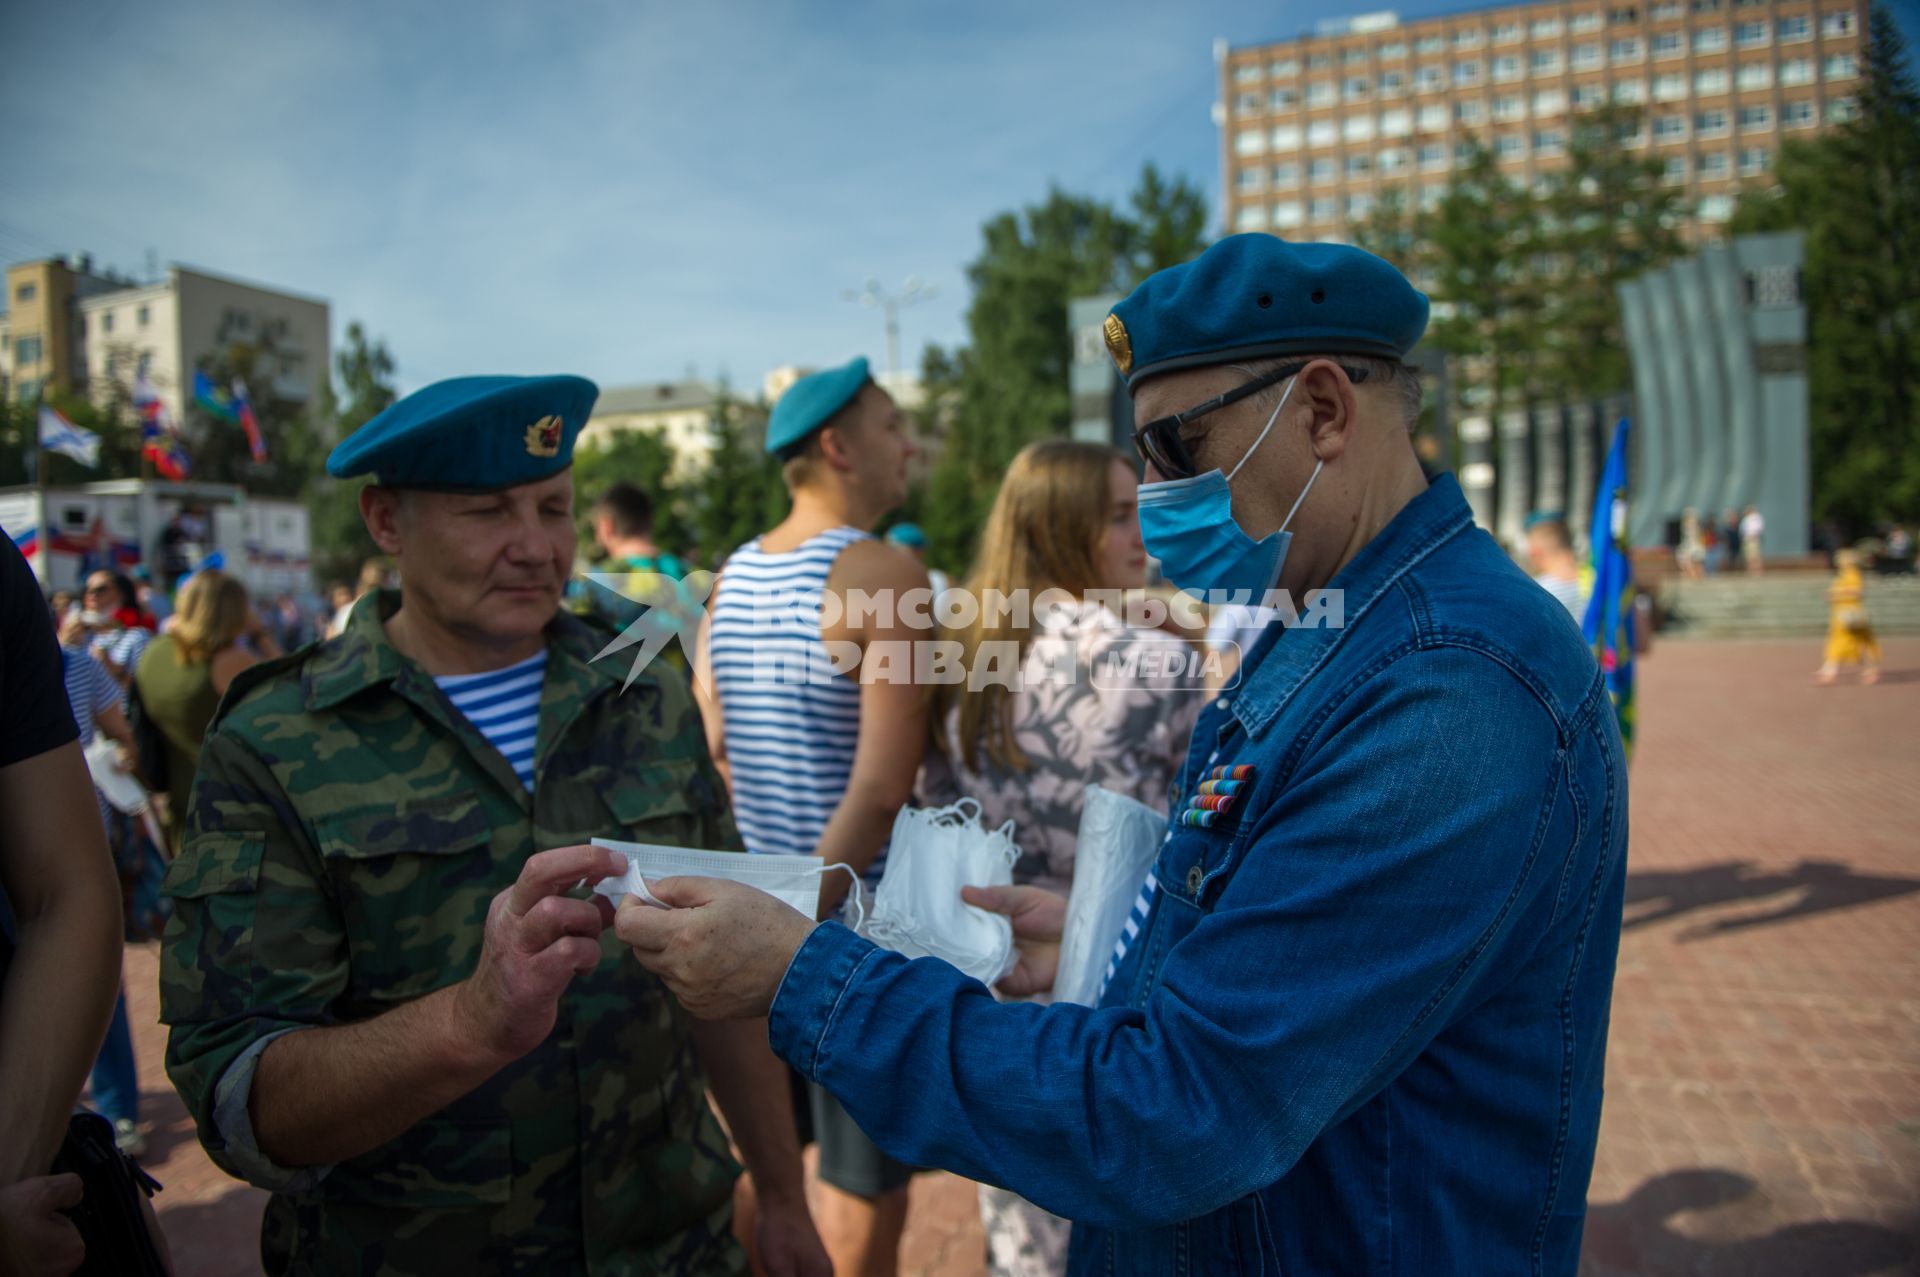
{"points": [[917, 909], [1118, 841]]}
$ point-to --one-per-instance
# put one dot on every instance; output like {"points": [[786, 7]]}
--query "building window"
{"points": [[1796, 71], [1396, 123], [1630, 91], [1393, 84], [1587, 96], [1840, 66], [1288, 214], [1622, 16], [1354, 57], [1838, 23], [1465, 73], [1710, 124], [1669, 44], [1286, 177], [26, 292], [1750, 35], [1462, 152], [1706, 6], [1675, 172], [1508, 107], [1283, 100], [1357, 128], [1582, 23], [1433, 119], [1320, 93], [1586, 56], [1507, 33], [1670, 128], [1429, 44], [1669, 88], [1356, 88], [141, 316], [1549, 102], [1797, 115], [1245, 74], [1624, 51], [1393, 160], [1284, 68], [1253, 217], [1322, 209], [1318, 62], [1320, 171], [1710, 40], [1430, 197], [1545, 28], [1358, 206], [1320, 133], [1359, 165], [1468, 38], [1713, 164], [1247, 104], [1667, 10], [1546, 61], [1841, 110], [1398, 49], [106, 322], [1714, 81], [1506, 68], [1549, 142], [1753, 75], [1510, 146], [1249, 180], [1755, 161], [1795, 28], [1433, 158], [26, 350], [1249, 142], [1716, 208], [1753, 118], [1429, 80], [1286, 137]]}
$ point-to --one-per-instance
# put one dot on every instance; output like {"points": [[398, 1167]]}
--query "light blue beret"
{"points": [[471, 434], [908, 534], [811, 402], [1256, 296]]}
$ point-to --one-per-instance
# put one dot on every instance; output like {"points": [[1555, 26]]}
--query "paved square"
{"points": [[1763, 1109]]}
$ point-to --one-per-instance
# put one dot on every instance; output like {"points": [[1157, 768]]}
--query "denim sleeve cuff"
{"points": [[822, 973], [235, 1124]]}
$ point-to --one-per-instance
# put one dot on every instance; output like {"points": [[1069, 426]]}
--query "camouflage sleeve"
{"points": [[256, 945]]}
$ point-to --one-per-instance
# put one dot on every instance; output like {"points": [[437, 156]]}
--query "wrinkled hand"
{"points": [[721, 949], [537, 939], [1038, 917], [38, 1240], [786, 1242]]}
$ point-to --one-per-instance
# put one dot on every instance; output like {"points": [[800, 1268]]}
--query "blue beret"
{"points": [[475, 434], [1539, 517], [907, 534], [811, 402], [1256, 296]]}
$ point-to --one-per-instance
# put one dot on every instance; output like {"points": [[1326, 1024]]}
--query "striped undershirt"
{"points": [[504, 706], [791, 721]]}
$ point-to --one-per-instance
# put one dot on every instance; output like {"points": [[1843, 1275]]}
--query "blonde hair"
{"points": [[211, 612], [1043, 533]]}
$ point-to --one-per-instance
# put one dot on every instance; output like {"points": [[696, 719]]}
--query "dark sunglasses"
{"points": [[1160, 442]]}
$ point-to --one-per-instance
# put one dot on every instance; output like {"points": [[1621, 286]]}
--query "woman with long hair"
{"points": [[185, 672], [1064, 535]]}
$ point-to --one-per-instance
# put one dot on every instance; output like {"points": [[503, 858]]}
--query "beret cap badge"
{"points": [[1119, 345], [543, 437]]}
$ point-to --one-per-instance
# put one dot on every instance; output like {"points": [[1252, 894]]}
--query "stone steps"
{"points": [[1787, 606]]}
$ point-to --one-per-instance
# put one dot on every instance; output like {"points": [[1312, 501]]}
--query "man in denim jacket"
{"points": [[1358, 1021]]}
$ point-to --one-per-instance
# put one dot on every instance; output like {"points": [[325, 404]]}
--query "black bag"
{"points": [[110, 1216], [149, 743]]}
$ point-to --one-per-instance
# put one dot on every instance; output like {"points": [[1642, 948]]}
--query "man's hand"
{"points": [[722, 948], [537, 938], [1038, 917], [38, 1240], [786, 1242]]}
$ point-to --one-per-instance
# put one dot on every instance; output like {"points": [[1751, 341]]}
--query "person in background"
{"points": [[909, 537], [1066, 518], [150, 600], [188, 669], [407, 1033], [61, 602], [1753, 531], [820, 762], [1850, 638], [622, 522], [116, 631], [59, 932], [1729, 540], [1898, 560], [1692, 551], [375, 574], [1551, 560]]}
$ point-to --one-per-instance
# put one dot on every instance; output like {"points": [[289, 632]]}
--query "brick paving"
{"points": [[1763, 1110]]}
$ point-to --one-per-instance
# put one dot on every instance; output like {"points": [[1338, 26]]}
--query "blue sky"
{"points": [[627, 190]]}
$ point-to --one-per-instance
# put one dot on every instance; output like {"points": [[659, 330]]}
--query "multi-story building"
{"points": [[1314, 130], [682, 412], [73, 330]]}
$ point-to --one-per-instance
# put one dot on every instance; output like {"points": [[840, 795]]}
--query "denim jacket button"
{"points": [[1194, 878]]}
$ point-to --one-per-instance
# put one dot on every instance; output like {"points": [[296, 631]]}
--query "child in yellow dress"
{"points": [[1850, 639]]}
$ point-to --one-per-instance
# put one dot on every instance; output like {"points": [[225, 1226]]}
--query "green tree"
{"points": [[740, 493], [364, 367], [1610, 217], [1855, 192], [1391, 230]]}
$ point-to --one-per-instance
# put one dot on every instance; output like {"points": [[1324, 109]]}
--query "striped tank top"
{"points": [[791, 721]]}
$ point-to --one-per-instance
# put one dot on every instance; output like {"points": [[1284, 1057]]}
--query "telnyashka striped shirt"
{"points": [[504, 705], [791, 721]]}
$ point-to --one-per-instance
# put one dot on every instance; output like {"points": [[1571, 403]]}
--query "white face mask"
{"points": [[917, 909], [793, 880]]}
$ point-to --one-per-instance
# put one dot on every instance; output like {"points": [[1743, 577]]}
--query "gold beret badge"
{"points": [[543, 437], [1119, 345]]}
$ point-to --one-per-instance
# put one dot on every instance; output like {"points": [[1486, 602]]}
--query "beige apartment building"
{"points": [[1315, 129]]}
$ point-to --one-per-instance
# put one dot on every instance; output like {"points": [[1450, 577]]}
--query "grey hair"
{"points": [[1391, 374]]}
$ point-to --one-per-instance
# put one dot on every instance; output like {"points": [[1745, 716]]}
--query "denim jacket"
{"points": [[1362, 1030]]}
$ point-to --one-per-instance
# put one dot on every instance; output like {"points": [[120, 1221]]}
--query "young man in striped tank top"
{"points": [[812, 715]]}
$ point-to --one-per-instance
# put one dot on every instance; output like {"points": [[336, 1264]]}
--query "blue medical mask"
{"points": [[1188, 525]]}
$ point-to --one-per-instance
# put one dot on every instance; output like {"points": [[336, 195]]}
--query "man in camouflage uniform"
{"points": [[388, 1007]]}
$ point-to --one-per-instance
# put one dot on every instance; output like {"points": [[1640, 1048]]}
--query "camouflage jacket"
{"points": [[347, 831]]}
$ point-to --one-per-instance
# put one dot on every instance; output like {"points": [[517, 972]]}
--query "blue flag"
{"points": [[1609, 624]]}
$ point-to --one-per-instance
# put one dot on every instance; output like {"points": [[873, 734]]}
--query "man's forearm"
{"points": [[752, 1088], [857, 830], [322, 1096]]}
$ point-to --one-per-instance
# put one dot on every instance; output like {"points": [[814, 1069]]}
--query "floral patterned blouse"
{"points": [[1099, 704]]}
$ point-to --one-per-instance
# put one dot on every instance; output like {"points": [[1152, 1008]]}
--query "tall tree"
{"points": [[740, 493], [1855, 192], [364, 367]]}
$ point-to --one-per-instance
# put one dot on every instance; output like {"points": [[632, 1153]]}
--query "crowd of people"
{"points": [[1365, 978]]}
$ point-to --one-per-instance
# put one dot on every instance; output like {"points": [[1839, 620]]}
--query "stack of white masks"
{"points": [[917, 909], [1118, 841]]}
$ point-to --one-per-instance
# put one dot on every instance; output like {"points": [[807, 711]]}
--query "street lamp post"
{"points": [[890, 305]]}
